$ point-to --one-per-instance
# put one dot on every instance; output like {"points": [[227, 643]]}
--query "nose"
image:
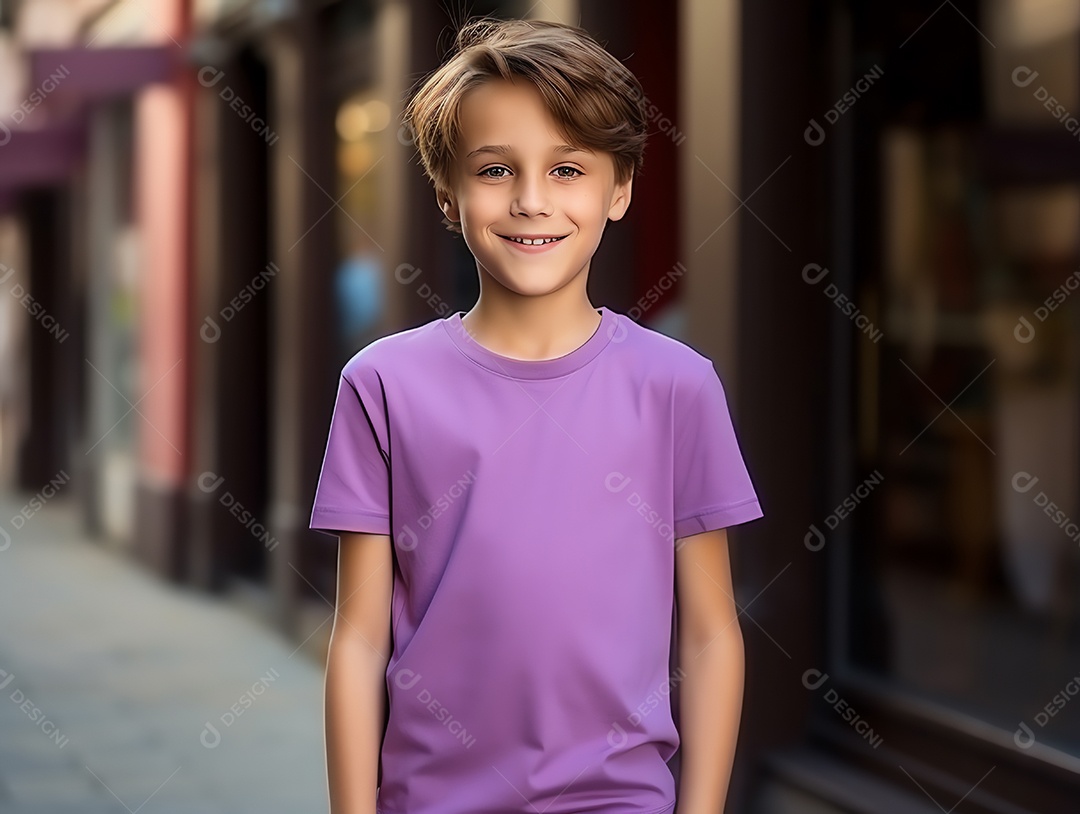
{"points": [[530, 196]]}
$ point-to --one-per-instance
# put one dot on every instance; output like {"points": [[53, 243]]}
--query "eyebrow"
{"points": [[505, 149]]}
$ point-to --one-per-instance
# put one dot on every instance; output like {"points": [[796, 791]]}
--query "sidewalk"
{"points": [[120, 693]]}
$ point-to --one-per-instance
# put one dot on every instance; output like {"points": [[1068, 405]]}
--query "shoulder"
{"points": [[398, 351], [661, 357]]}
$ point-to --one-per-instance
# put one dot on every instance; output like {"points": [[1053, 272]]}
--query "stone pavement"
{"points": [[121, 693]]}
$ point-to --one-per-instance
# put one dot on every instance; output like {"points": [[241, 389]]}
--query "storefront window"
{"points": [[363, 120], [965, 552], [361, 83]]}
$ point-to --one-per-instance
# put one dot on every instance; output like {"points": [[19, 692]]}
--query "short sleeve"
{"points": [[353, 493], [713, 489]]}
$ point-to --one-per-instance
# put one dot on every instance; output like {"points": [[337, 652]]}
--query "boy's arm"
{"points": [[356, 671], [710, 654]]}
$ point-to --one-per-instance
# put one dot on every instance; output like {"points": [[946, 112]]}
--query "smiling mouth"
{"points": [[539, 241]]}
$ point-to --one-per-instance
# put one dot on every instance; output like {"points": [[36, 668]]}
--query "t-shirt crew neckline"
{"points": [[532, 368]]}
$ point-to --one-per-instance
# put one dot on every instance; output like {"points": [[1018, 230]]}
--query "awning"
{"points": [[39, 157], [43, 140], [101, 73]]}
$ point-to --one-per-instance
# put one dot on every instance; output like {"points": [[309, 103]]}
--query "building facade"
{"points": [[866, 215]]}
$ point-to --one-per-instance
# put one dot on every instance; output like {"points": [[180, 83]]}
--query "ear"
{"points": [[620, 199], [448, 206]]}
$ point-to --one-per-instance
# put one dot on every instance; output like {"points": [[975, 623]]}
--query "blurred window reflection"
{"points": [[965, 561], [362, 125]]}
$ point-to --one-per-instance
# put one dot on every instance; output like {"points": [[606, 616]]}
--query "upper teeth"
{"points": [[535, 242]]}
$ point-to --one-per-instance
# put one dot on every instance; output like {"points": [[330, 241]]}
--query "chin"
{"points": [[537, 289], [530, 281]]}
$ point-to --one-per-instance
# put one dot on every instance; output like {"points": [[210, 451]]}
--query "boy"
{"points": [[521, 491]]}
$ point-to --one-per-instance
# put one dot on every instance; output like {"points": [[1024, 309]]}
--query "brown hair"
{"points": [[595, 99]]}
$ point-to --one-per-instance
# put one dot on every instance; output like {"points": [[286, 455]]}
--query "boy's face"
{"points": [[534, 188]]}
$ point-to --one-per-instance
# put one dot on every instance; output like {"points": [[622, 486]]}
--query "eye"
{"points": [[484, 172], [572, 169]]}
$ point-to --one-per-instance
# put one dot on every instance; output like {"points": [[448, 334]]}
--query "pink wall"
{"points": [[162, 198]]}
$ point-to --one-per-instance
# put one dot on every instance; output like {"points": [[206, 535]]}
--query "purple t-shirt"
{"points": [[534, 508]]}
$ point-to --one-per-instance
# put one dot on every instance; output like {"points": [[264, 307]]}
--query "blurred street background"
{"points": [[867, 214], [122, 693]]}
